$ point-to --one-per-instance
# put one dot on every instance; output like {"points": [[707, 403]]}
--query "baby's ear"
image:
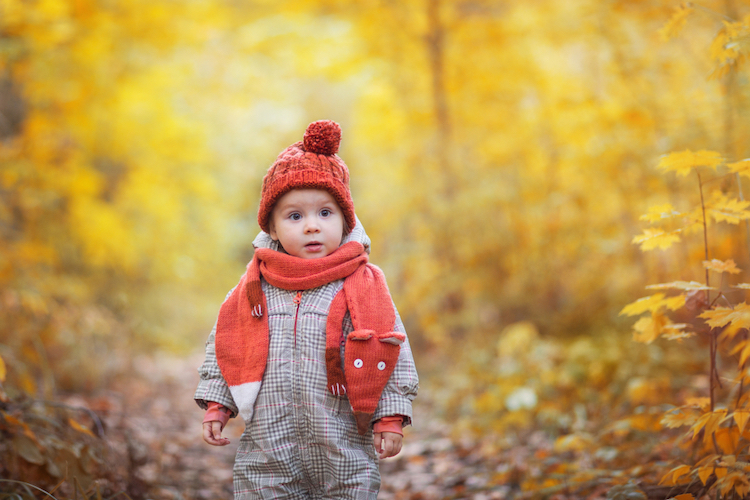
{"points": [[395, 338]]}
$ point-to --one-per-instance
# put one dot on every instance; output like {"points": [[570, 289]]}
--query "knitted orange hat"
{"points": [[309, 164]]}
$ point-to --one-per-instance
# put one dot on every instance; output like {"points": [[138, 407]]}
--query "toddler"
{"points": [[308, 348]]}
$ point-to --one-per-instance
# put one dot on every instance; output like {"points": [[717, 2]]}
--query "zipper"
{"points": [[296, 301]]}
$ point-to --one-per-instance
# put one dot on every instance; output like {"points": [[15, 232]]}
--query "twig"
{"points": [[713, 12], [712, 337], [27, 485]]}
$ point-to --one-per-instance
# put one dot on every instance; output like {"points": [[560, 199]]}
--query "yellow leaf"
{"points": [[673, 332], [741, 417], [23, 425], [684, 496], [640, 306], [2, 370], [720, 472], [75, 425], [571, 442], [740, 483], [681, 285], [713, 423], [708, 422], [660, 212], [741, 167], [656, 238], [675, 23], [653, 303], [725, 209], [743, 347], [674, 474], [648, 328], [739, 316], [702, 403], [730, 332], [674, 303], [680, 471], [726, 266], [745, 354], [684, 161], [733, 480], [678, 418], [726, 438], [705, 472]]}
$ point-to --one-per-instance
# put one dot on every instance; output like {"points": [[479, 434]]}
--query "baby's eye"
{"points": [[295, 216], [325, 212]]}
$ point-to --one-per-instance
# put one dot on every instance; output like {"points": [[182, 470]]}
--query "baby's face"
{"points": [[308, 223]]}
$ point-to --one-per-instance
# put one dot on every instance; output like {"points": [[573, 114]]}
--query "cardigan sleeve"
{"points": [[212, 387]]}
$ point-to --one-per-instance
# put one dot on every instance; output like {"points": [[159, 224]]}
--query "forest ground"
{"points": [[153, 428]]}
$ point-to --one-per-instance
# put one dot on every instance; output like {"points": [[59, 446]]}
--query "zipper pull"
{"points": [[298, 298]]}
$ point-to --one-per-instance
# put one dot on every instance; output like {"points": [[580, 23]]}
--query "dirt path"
{"points": [[156, 433]]}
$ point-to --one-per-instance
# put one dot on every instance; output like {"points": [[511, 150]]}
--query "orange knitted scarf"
{"points": [[372, 349]]}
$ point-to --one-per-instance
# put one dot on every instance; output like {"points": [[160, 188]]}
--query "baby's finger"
{"points": [[207, 433], [216, 430], [387, 448], [210, 436], [396, 448], [377, 440]]}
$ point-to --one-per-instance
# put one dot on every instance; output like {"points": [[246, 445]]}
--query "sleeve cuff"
{"points": [[393, 424], [216, 412]]}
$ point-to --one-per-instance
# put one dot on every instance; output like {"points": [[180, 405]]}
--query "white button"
{"points": [[381, 366], [358, 363]]}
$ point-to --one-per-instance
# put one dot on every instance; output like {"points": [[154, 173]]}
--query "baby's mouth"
{"points": [[313, 244]]}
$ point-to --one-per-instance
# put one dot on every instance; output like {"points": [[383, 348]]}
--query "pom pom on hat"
{"points": [[322, 137], [311, 163]]}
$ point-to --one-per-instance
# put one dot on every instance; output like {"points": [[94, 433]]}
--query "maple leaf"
{"points": [[730, 332], [738, 316], [725, 209], [660, 212], [683, 162], [674, 332], [681, 285], [656, 238], [675, 23], [653, 303], [726, 266], [741, 167], [648, 328]]}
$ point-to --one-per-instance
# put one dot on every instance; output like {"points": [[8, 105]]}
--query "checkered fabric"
{"points": [[302, 441]]}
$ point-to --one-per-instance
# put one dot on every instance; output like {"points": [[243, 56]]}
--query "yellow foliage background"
{"points": [[501, 156]]}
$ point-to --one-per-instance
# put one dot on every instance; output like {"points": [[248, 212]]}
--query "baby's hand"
{"points": [[212, 433], [388, 444]]}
